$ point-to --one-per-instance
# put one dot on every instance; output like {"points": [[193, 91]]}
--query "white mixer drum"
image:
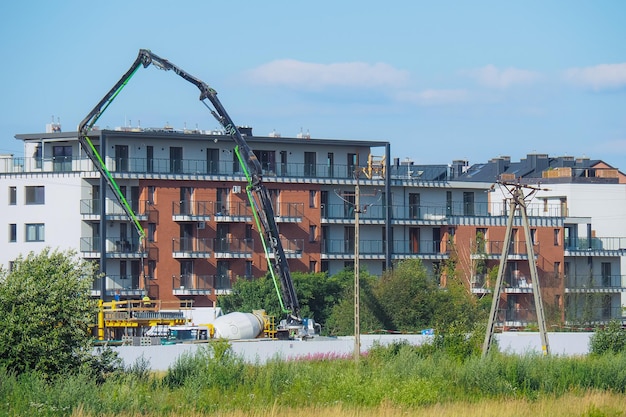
{"points": [[237, 326]]}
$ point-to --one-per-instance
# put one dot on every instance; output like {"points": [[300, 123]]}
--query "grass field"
{"points": [[398, 380]]}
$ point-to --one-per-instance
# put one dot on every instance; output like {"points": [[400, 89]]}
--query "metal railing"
{"points": [[92, 207], [596, 243], [191, 245], [232, 245], [423, 247], [595, 281], [346, 247], [193, 282]]}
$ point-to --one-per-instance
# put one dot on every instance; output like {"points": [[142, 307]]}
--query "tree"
{"points": [[317, 294], [46, 311]]}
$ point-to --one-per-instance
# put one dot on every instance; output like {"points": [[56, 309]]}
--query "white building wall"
{"points": [[604, 203], [60, 214]]}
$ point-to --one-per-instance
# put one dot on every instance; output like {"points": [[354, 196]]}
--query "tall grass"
{"points": [[387, 380]]}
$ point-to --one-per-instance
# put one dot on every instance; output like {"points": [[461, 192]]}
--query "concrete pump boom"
{"points": [[258, 194]]}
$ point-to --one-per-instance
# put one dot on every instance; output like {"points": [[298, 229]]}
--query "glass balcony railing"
{"points": [[346, 247], [444, 210], [233, 246], [494, 247], [596, 244], [113, 245], [595, 282], [193, 282], [92, 207], [191, 245], [421, 247]]}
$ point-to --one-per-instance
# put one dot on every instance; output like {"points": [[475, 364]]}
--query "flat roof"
{"points": [[162, 134]]}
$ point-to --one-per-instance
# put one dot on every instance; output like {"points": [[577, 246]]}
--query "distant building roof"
{"points": [[541, 167]]}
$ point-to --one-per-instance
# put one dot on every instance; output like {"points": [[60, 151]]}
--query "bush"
{"points": [[46, 310], [610, 339]]}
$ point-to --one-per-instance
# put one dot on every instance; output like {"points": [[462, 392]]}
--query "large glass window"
{"points": [[212, 160], [35, 194], [12, 196], [62, 158], [176, 160], [13, 232], [35, 232]]}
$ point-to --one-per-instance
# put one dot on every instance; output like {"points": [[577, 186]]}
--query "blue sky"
{"points": [[440, 80]]}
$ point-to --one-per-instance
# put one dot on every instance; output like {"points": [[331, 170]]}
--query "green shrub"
{"points": [[610, 339]]}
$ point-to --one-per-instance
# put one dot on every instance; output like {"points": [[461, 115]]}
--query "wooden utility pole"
{"points": [[518, 201], [357, 286]]}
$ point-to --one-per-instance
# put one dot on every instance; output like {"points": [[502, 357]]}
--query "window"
{"points": [[13, 232], [352, 163], [151, 232], [312, 198], [151, 195], [62, 158], [212, 160], [556, 237], [414, 205], [37, 156], [248, 273], [12, 196], [151, 269], [150, 158], [123, 270], [310, 164], [121, 158], [35, 232], [176, 160], [267, 159], [312, 266], [312, 233], [533, 236], [468, 203], [35, 195], [330, 165]]}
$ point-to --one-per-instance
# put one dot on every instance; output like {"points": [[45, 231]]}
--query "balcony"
{"points": [[167, 166], [90, 209], [230, 247], [479, 284], [591, 314], [223, 283], [344, 249], [191, 248], [127, 285], [517, 283], [597, 246], [233, 213], [291, 247], [344, 214], [289, 212], [493, 250], [116, 247], [189, 211], [595, 284], [192, 284], [441, 213], [422, 249]]}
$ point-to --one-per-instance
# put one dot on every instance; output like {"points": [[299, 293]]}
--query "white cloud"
{"points": [[433, 97], [493, 77], [306, 75], [599, 77]]}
